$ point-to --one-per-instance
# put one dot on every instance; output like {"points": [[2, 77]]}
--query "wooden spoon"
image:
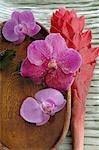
{"points": [[15, 133]]}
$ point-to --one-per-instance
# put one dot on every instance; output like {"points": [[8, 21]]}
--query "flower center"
{"points": [[20, 29], [48, 107], [52, 64]]}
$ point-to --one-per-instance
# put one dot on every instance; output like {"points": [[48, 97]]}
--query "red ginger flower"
{"points": [[71, 28]]}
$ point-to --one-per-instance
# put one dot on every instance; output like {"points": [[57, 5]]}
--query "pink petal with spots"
{"points": [[59, 80], [32, 71], [37, 52], [56, 42], [69, 61]]}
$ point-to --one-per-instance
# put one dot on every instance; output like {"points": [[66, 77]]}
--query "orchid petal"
{"points": [[30, 111], [35, 52], [59, 80], [69, 61], [15, 16], [26, 69], [8, 31], [60, 107], [50, 94], [32, 32], [45, 119], [32, 71], [26, 17], [20, 40], [57, 42]]}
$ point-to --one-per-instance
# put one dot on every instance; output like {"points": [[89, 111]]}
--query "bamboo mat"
{"points": [[90, 9]]}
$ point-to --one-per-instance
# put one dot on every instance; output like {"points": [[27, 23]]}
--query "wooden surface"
{"points": [[90, 8]]}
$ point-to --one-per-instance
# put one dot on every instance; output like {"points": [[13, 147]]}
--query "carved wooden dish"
{"points": [[15, 133]]}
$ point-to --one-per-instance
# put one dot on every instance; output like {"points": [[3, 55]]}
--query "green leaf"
{"points": [[18, 66], [6, 57]]}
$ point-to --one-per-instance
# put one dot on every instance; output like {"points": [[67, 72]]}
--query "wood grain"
{"points": [[43, 10]]}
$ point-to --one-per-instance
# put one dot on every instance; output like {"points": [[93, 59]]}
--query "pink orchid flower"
{"points": [[46, 103], [20, 25], [51, 61]]}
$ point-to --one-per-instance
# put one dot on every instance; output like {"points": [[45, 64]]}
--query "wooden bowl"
{"points": [[15, 133]]}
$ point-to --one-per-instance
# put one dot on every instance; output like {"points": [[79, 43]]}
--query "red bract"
{"points": [[71, 28]]}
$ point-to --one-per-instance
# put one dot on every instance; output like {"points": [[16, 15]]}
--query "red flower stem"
{"points": [[77, 125]]}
